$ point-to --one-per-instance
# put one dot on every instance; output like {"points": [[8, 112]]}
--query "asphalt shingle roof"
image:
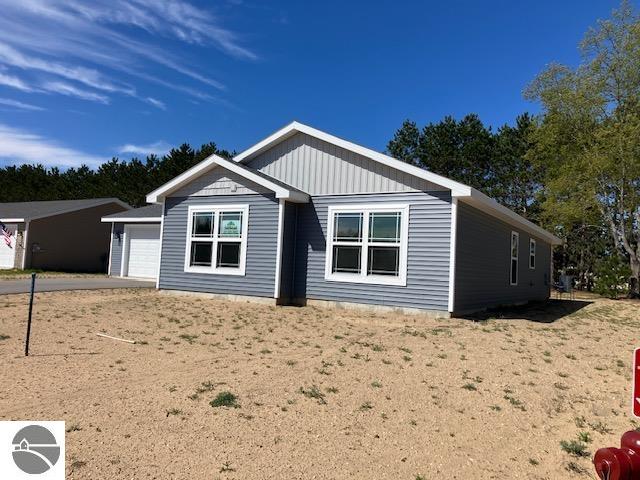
{"points": [[30, 210], [150, 211]]}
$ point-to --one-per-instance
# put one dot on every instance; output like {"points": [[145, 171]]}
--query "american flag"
{"points": [[6, 234]]}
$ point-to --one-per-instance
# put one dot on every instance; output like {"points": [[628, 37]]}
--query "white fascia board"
{"points": [[457, 189], [131, 220], [487, 204], [211, 162], [12, 220]]}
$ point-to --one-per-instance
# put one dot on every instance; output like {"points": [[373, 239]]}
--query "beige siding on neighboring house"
{"points": [[320, 168], [219, 182]]}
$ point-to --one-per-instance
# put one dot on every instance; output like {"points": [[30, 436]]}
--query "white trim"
{"points": [[25, 244], [211, 162], [125, 254], [12, 220], [452, 252], [217, 209], [362, 277], [110, 251], [131, 220], [512, 258], [295, 127], [533, 255], [161, 243], [281, 207]]}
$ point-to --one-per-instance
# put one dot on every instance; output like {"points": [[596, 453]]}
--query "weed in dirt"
{"points": [[515, 402], [4, 337], [470, 386], [74, 428], [585, 437], [365, 406], [600, 427], [77, 464], [420, 477], [407, 358], [376, 384], [226, 467], [291, 363], [534, 462], [314, 392], [580, 422], [225, 399], [332, 390], [495, 408], [575, 468], [172, 388], [187, 337], [575, 448], [174, 411]]}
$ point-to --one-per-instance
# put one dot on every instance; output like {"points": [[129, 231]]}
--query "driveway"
{"points": [[79, 283]]}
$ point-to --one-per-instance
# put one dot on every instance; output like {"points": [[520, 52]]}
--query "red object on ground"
{"points": [[620, 463], [636, 383]]}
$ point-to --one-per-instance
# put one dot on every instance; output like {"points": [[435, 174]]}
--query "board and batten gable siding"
{"points": [[259, 278], [219, 181], [321, 168], [117, 248], [427, 262], [483, 259]]}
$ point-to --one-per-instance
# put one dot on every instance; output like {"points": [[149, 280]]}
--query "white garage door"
{"points": [[143, 250], [7, 253]]}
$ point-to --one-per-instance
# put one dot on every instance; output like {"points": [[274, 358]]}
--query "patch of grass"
{"points": [[575, 448], [365, 406], [600, 427], [585, 437], [225, 399], [314, 392], [187, 337]]}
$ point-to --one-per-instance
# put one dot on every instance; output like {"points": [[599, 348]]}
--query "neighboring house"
{"points": [[62, 235], [135, 242], [306, 217]]}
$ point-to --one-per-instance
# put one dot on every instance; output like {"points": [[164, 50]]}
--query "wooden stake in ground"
{"points": [[115, 338]]}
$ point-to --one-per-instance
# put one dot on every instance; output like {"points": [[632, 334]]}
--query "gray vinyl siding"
{"points": [[259, 278], [483, 261], [321, 168], [116, 249], [288, 251], [428, 253]]}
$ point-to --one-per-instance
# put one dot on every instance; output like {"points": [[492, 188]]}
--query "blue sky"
{"points": [[82, 81]]}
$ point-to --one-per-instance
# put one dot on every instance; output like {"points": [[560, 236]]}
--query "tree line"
{"points": [[574, 168]]}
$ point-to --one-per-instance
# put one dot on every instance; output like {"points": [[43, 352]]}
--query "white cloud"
{"points": [[16, 104], [156, 148], [84, 42], [156, 103], [15, 82], [71, 91], [19, 147]]}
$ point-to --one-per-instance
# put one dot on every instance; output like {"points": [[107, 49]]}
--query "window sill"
{"points": [[367, 280], [216, 271]]}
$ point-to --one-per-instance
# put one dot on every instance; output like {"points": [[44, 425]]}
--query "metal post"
{"points": [[33, 286]]}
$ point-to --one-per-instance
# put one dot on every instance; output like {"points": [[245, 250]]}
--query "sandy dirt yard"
{"points": [[320, 393]]}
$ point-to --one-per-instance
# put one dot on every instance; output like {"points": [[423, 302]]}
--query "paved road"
{"points": [[80, 283]]}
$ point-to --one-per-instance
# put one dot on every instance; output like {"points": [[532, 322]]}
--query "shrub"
{"points": [[225, 399], [612, 276]]}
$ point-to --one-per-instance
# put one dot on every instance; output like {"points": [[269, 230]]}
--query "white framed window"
{"points": [[367, 244], [217, 239], [532, 253], [513, 267]]}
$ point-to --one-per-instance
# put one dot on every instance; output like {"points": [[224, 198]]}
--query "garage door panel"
{"points": [[143, 251]]}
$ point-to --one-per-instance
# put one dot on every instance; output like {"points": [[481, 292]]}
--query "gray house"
{"points": [[135, 242], [58, 235], [306, 217]]}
